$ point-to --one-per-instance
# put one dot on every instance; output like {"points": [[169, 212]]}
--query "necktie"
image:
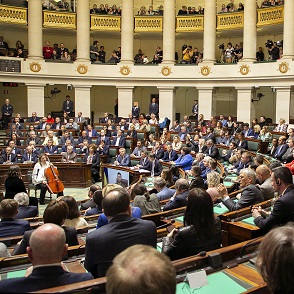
{"points": [[9, 157], [152, 170], [29, 157], [79, 119]]}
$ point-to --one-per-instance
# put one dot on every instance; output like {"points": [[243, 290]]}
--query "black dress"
{"points": [[13, 185]]}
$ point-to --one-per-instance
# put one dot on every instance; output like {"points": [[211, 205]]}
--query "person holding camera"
{"points": [[187, 54], [274, 52]]}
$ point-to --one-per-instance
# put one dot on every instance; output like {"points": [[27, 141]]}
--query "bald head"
{"points": [[47, 245], [262, 173], [182, 185]]}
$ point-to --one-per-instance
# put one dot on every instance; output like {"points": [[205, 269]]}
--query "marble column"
{"points": [[167, 102], [127, 32], [244, 104], [125, 100], [83, 31], [209, 35], [283, 97], [83, 100], [288, 38], [35, 94], [35, 29], [169, 32], [249, 32], [205, 96]]}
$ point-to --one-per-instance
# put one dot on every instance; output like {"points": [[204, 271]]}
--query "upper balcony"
{"points": [[191, 23]]}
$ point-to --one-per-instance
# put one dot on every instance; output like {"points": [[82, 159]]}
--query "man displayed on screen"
{"points": [[120, 181]]}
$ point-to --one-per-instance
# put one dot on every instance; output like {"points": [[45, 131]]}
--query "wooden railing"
{"points": [[229, 21], [65, 20], [105, 23], [11, 14], [190, 23], [148, 24], [270, 16]]}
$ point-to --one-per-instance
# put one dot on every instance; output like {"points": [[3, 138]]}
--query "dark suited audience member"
{"points": [[55, 213], [275, 260], [197, 181], [46, 250], [250, 194], [163, 192], [24, 209], [97, 198], [263, 175], [202, 231], [9, 226], [121, 232], [93, 158], [14, 183], [180, 197], [90, 203], [134, 266]]}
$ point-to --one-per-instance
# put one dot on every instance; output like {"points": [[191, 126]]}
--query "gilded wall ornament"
{"points": [[244, 69], [82, 69], [35, 66], [283, 67], [166, 70], [205, 70], [125, 70]]}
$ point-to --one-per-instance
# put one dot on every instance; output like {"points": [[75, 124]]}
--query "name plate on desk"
{"points": [[197, 279]]}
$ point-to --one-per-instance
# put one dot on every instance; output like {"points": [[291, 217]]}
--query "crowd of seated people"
{"points": [[57, 52], [150, 11], [17, 51], [270, 3], [106, 9], [62, 5], [190, 10]]}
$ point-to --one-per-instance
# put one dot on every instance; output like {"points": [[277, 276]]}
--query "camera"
{"points": [[221, 46], [269, 44], [55, 91], [280, 43], [184, 47]]}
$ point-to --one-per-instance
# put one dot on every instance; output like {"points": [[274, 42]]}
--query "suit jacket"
{"points": [[56, 126], [16, 151], [94, 133], [4, 158], [267, 189], [136, 111], [125, 161], [90, 203], [122, 142], [62, 140], [177, 201], [33, 119], [71, 239], [65, 157], [53, 150], [27, 211], [104, 150], [42, 278], [212, 152], [13, 185], [25, 157], [157, 167], [64, 148], [153, 108], [184, 161], [165, 193], [95, 168], [243, 144], [170, 156], [145, 163], [282, 213], [69, 107], [82, 119], [121, 232], [132, 134], [250, 133], [37, 141], [13, 227], [280, 151], [159, 153], [41, 126], [106, 141], [288, 155], [250, 195], [7, 109], [210, 136], [175, 129]]}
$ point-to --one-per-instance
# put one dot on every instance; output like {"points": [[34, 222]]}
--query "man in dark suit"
{"points": [[14, 149], [119, 140], [68, 106], [209, 134], [8, 225], [24, 209], [29, 155], [250, 194], [91, 132], [104, 138], [136, 110], [155, 166], [281, 149], [61, 50], [158, 151], [195, 109], [211, 150], [47, 247], [34, 118], [154, 107], [50, 148], [169, 154], [57, 124], [7, 110], [144, 161], [3, 44], [90, 203], [105, 118], [248, 132], [121, 232], [122, 159], [42, 124], [180, 197], [33, 137], [80, 118], [183, 133], [283, 210], [7, 157]]}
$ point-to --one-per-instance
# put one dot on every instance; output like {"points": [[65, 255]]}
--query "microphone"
{"points": [[165, 225], [201, 253], [251, 242]]}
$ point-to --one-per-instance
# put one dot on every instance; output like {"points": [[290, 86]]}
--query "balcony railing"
{"points": [[105, 23], [270, 16], [11, 14], [55, 19], [148, 24], [190, 23], [229, 21]]}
